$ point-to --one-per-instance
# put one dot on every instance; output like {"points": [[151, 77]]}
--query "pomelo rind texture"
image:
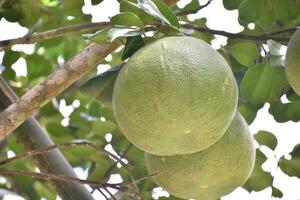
{"points": [[211, 173], [176, 95]]}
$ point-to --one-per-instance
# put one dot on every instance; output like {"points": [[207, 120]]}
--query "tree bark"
{"points": [[38, 96], [31, 136]]}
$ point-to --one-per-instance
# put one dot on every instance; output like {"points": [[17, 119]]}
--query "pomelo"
{"points": [[292, 62], [211, 173], [176, 95]]}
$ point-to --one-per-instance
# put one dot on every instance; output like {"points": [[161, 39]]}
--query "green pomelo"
{"points": [[174, 96], [292, 62], [211, 173]]}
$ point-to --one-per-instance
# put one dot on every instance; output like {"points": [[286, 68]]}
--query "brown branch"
{"points": [[289, 30], [262, 37], [193, 11], [112, 167], [54, 33], [58, 81], [58, 177], [63, 145], [31, 136]]}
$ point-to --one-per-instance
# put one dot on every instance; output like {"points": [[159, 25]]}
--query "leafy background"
{"points": [[265, 95]]}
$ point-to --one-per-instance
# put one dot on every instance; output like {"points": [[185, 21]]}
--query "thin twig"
{"points": [[193, 11], [103, 194], [63, 145], [54, 33], [112, 167], [289, 30], [262, 37], [58, 177], [110, 194]]}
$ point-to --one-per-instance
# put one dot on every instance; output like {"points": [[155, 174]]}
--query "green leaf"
{"points": [[38, 66], [132, 45], [96, 2], [232, 4], [194, 4], [286, 9], [249, 111], [276, 192], [98, 37], [248, 11], [128, 6], [94, 109], [291, 167], [101, 86], [263, 83], [101, 128], [127, 19], [285, 112], [156, 10], [245, 53], [44, 191], [258, 11], [259, 179], [266, 138], [102, 165], [167, 12], [119, 32]]}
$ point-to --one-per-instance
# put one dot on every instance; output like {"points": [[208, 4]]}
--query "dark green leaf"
{"points": [[263, 83], [101, 86], [276, 192], [259, 179], [249, 111], [291, 167], [95, 2], [266, 138], [283, 112], [132, 45], [194, 4], [232, 4], [286, 9], [127, 19]]}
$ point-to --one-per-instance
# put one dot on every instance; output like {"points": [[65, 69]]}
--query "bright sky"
{"points": [[217, 18]]}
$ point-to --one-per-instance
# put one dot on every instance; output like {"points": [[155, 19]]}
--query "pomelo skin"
{"points": [[211, 173], [176, 95], [292, 62]]}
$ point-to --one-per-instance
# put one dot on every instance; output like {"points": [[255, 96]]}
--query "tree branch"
{"points": [[54, 33], [262, 37], [187, 12], [62, 178], [31, 136], [59, 80], [63, 145]]}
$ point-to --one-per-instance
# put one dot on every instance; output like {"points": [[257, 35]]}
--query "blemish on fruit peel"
{"points": [[226, 83], [163, 159], [187, 131], [203, 186]]}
